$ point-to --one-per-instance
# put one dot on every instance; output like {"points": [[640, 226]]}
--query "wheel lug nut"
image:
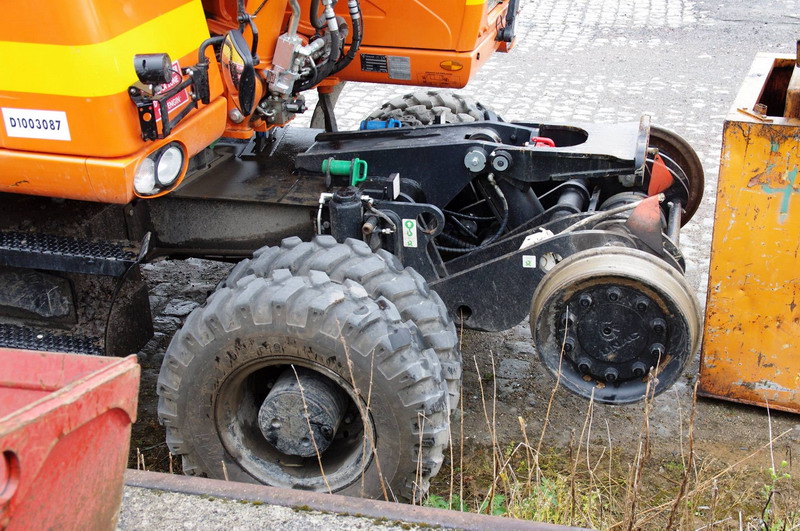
{"points": [[568, 320], [586, 301], [569, 345], [657, 350], [641, 305], [613, 294], [659, 325], [639, 369], [611, 374], [584, 365]]}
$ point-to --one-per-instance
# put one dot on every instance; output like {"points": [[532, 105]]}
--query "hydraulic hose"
{"points": [[333, 64], [465, 247], [327, 68], [358, 34], [316, 21]]}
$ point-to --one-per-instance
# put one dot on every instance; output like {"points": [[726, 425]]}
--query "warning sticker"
{"points": [[374, 63], [178, 99], [440, 79], [399, 67]]}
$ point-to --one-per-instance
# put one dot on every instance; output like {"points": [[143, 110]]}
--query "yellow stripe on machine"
{"points": [[475, 2], [100, 69]]}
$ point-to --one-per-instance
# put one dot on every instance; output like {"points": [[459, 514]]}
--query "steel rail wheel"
{"points": [[685, 165], [301, 382], [613, 318]]}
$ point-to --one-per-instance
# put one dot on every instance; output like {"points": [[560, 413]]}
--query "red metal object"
{"points": [[660, 178], [65, 426], [645, 222], [542, 141]]}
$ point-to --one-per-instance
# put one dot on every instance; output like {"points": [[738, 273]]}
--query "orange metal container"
{"points": [[65, 426], [752, 324]]}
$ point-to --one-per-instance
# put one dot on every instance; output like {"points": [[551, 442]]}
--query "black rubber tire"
{"points": [[382, 275], [433, 107], [206, 391]]}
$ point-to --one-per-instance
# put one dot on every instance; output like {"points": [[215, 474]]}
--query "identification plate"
{"points": [[31, 123]]}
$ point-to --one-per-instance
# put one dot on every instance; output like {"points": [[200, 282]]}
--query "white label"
{"points": [[409, 233], [30, 123], [528, 260]]}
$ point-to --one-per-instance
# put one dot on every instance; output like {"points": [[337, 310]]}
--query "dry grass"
{"points": [[591, 483]]}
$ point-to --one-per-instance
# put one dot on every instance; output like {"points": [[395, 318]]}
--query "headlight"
{"points": [[159, 170], [169, 165], [144, 181]]}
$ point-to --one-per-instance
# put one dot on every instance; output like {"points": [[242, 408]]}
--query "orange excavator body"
{"points": [[70, 129]]}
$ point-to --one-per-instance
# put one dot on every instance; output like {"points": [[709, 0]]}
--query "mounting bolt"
{"points": [[236, 116], [614, 294], [657, 350], [641, 305], [586, 300], [639, 369], [475, 160], [611, 374], [584, 365], [569, 319], [569, 345], [659, 325]]}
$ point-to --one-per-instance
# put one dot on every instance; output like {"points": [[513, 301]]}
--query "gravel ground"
{"points": [[679, 61], [184, 511]]}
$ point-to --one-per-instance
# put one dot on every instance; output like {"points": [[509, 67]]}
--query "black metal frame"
{"points": [[145, 102]]}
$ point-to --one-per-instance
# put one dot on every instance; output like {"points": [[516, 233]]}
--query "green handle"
{"points": [[356, 169], [359, 172]]}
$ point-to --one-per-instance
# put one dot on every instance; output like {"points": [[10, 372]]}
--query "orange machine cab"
{"points": [[69, 128]]}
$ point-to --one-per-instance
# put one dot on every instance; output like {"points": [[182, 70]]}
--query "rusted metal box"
{"points": [[751, 348], [65, 427]]}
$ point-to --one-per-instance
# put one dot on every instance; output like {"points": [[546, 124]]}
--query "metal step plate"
{"points": [[13, 336], [67, 254]]}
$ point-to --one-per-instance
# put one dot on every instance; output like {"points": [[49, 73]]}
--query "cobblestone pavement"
{"points": [[679, 61]]}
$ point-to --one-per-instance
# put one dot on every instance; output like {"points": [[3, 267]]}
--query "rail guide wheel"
{"points": [[682, 162], [619, 317]]}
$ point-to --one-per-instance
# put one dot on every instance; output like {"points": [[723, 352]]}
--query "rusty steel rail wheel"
{"points": [[683, 164], [301, 382], [382, 275], [613, 318]]}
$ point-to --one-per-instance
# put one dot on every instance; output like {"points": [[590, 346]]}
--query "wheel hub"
{"points": [[302, 412], [610, 333]]}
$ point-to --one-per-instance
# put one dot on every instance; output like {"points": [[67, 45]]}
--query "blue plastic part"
{"points": [[371, 125]]}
